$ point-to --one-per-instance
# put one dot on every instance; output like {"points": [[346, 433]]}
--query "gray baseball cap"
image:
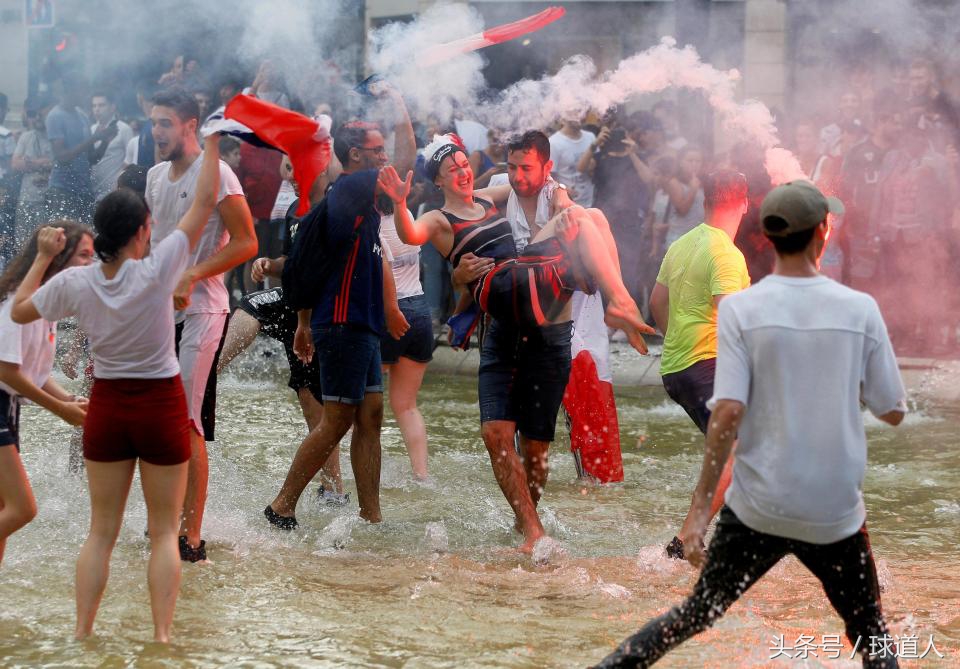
{"points": [[794, 207]]}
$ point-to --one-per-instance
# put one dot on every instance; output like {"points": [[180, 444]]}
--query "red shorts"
{"points": [[137, 418]]}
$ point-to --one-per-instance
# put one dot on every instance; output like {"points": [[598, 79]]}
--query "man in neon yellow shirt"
{"points": [[698, 270]]}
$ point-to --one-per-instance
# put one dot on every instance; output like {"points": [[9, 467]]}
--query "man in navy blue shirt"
{"points": [[345, 325]]}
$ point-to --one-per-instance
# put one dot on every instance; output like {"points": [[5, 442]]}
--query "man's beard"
{"points": [[176, 153], [529, 190]]}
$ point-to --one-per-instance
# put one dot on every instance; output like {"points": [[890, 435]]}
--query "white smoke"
{"points": [[457, 84], [441, 90]]}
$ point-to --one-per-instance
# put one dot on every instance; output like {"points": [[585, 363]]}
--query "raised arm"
{"points": [[50, 242], [414, 232], [208, 187], [404, 141], [242, 244]]}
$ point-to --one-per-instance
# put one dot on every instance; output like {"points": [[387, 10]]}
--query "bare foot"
{"points": [[371, 516], [626, 317], [531, 540]]}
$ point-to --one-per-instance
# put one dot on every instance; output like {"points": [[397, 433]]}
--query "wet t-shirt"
{"points": [[800, 354]]}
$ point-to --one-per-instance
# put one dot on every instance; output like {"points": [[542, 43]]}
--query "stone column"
{"points": [[764, 52], [13, 58]]}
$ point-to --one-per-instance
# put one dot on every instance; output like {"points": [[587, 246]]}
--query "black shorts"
{"points": [[523, 374], [278, 321], [417, 343], [691, 388], [9, 420], [208, 408]]}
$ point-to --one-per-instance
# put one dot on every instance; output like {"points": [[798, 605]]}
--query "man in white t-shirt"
{"points": [[567, 147], [111, 154], [797, 354], [200, 297]]}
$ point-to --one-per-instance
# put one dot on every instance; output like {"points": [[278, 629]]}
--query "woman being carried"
{"points": [[137, 407], [573, 251]]}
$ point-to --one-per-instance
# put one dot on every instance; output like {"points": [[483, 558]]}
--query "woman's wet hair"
{"points": [[117, 219], [19, 266]]}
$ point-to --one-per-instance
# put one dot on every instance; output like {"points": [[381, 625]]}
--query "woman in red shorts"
{"points": [[137, 408]]}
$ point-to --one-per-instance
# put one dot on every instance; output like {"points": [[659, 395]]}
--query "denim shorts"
{"points": [[523, 375], [691, 388], [417, 343], [349, 360]]}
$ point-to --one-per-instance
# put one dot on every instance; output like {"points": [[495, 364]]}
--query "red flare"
{"points": [[303, 139], [508, 31]]}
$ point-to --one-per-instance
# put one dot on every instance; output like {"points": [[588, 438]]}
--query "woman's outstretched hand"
{"points": [[392, 186]]}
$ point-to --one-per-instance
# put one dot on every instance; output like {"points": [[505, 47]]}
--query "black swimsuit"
{"points": [[529, 289]]}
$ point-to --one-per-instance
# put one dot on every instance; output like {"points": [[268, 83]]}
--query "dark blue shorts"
{"points": [[523, 374], [417, 343], [349, 360], [691, 388], [9, 420]]}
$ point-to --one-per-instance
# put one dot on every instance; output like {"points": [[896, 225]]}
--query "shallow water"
{"points": [[438, 583]]}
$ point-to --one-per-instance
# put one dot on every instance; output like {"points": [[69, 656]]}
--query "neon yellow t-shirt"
{"points": [[700, 265]]}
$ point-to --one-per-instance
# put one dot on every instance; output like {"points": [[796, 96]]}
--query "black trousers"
{"points": [[738, 556]]}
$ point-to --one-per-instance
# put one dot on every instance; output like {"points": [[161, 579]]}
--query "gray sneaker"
{"points": [[330, 498]]}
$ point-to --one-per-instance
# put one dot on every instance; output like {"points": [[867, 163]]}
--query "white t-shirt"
{"points": [[32, 346], [406, 259], [169, 201], [565, 154], [129, 318], [285, 197], [800, 353], [103, 175], [132, 153]]}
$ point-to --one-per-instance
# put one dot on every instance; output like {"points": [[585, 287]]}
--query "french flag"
{"points": [[305, 140], [588, 400]]}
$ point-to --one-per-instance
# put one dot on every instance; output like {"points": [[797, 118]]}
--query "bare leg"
{"points": [[330, 475], [109, 484], [603, 227], [406, 377], [535, 465], [241, 332], [17, 504], [510, 475], [163, 489], [365, 455], [590, 247], [313, 452], [195, 500]]}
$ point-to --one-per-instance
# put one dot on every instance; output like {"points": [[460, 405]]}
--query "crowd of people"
{"points": [[524, 240]]}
